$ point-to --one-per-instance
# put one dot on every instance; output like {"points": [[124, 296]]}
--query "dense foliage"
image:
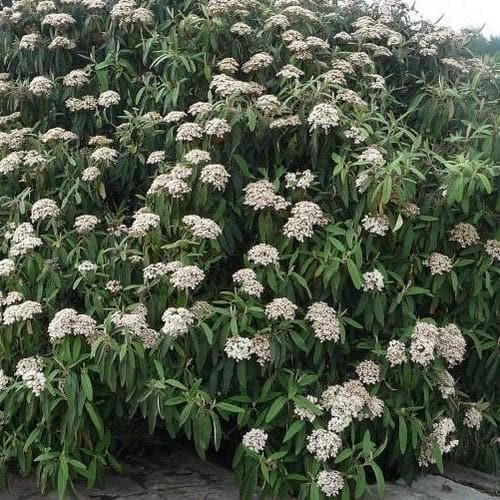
{"points": [[268, 225]]}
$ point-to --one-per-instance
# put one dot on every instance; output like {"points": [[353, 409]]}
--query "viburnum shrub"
{"points": [[272, 225]]}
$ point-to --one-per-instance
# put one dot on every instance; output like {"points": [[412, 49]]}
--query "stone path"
{"points": [[181, 475]]}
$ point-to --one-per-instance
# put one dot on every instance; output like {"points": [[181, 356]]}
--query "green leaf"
{"points": [[87, 386], [403, 434], [356, 277], [296, 427], [176, 383], [438, 456], [275, 408], [229, 407], [62, 475], [379, 477]]}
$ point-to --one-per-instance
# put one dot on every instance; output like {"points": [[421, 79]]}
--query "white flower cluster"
{"points": [[144, 222], [86, 267], [324, 321], [302, 180], [306, 414], [31, 372], [438, 263], [44, 208], [85, 224], [177, 321], [281, 308], [263, 254], [7, 267], [423, 343], [330, 482], [323, 116], [197, 157], [368, 372], [378, 225], [258, 61], [23, 240], [473, 418], [451, 344], [442, 436], [202, 227], [373, 281], [261, 195], [247, 279], [347, 402], [323, 444], [69, 322], [24, 311], [187, 277], [492, 248], [173, 183], [215, 175], [306, 215], [136, 324], [396, 353], [255, 440], [243, 348], [464, 234]]}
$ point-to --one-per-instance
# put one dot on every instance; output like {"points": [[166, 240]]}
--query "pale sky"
{"points": [[462, 13]]}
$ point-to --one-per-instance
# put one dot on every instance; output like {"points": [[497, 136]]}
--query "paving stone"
{"points": [[181, 475]]}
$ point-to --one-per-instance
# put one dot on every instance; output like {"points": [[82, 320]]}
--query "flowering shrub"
{"points": [[268, 224]]}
